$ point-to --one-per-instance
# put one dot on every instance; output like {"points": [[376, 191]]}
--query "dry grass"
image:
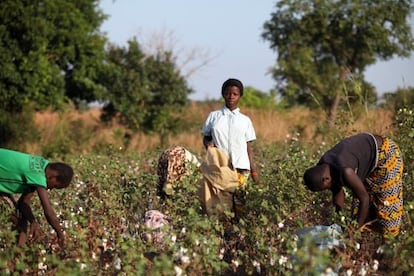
{"points": [[271, 127]]}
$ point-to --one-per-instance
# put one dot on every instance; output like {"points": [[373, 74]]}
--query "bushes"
{"points": [[17, 128], [102, 212]]}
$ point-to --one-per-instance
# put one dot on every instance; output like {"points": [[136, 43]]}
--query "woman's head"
{"points": [[318, 178]]}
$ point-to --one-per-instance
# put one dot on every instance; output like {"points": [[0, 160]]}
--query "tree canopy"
{"points": [[324, 46], [145, 92], [52, 52], [49, 51]]}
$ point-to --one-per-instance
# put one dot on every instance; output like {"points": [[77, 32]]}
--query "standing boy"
{"points": [[232, 132]]}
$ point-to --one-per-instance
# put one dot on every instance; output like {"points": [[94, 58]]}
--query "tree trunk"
{"points": [[333, 112]]}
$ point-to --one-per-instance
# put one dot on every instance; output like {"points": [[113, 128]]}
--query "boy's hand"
{"points": [[35, 232], [255, 177], [61, 240]]}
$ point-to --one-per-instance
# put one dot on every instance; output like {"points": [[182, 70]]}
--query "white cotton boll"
{"points": [[328, 271], [221, 255], [282, 260], [185, 259], [104, 244], [117, 263], [280, 224], [41, 266], [257, 266], [375, 265], [380, 250], [363, 271], [178, 271], [357, 246]]}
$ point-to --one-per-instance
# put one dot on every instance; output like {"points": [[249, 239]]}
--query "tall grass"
{"points": [[84, 132]]}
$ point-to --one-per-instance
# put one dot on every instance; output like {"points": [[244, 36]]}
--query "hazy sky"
{"points": [[228, 32]]}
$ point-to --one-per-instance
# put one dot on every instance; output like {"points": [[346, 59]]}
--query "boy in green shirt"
{"points": [[25, 174]]}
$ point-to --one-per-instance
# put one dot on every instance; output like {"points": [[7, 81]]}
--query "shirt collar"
{"points": [[228, 111]]}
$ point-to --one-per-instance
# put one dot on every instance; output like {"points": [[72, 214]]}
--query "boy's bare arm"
{"points": [[253, 171], [23, 204], [338, 199], [27, 215], [50, 214]]}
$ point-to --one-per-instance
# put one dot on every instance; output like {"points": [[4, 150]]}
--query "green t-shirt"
{"points": [[21, 172]]}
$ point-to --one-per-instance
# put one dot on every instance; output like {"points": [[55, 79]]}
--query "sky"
{"points": [[225, 35]]}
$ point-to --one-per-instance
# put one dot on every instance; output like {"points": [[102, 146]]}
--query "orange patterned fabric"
{"points": [[385, 186]]}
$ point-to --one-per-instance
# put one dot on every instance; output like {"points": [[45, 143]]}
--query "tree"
{"points": [[169, 94], [324, 47], [402, 98], [145, 92], [127, 92], [258, 99], [49, 51]]}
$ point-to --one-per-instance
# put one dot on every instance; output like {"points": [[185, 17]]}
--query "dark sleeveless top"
{"points": [[358, 152]]}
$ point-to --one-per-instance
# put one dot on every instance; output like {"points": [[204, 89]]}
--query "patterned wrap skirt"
{"points": [[171, 169], [385, 187], [174, 164]]}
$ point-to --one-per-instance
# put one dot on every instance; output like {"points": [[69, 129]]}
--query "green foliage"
{"points": [[146, 92], [127, 87], [257, 99], [102, 213], [402, 98], [50, 51], [321, 43], [404, 136], [169, 94]]}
